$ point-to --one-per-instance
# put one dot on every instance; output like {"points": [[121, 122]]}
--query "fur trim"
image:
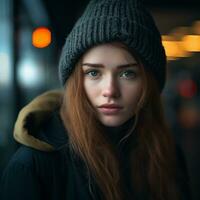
{"points": [[35, 113]]}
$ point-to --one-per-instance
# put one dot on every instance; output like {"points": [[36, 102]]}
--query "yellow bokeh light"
{"points": [[173, 48], [191, 43], [182, 41]]}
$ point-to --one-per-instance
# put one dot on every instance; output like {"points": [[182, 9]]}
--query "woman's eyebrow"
{"points": [[102, 66]]}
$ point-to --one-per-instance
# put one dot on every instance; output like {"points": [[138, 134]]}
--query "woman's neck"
{"points": [[116, 134]]}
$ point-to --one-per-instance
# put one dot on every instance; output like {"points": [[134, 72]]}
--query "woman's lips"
{"points": [[109, 111]]}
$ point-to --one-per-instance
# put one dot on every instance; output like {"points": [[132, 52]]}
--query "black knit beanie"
{"points": [[105, 21]]}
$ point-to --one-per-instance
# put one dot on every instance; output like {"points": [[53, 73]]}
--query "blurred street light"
{"points": [[41, 37]]}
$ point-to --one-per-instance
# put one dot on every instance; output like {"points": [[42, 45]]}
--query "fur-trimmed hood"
{"points": [[35, 118]]}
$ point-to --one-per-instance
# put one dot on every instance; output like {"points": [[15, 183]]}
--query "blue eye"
{"points": [[128, 74], [92, 73]]}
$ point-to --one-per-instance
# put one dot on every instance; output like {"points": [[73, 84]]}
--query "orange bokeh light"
{"points": [[41, 37]]}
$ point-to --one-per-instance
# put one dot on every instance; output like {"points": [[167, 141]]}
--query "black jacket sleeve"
{"points": [[19, 182]]}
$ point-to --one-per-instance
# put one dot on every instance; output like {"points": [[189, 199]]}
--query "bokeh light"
{"points": [[41, 37]]}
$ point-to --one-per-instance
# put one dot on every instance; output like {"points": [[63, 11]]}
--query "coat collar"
{"points": [[28, 129]]}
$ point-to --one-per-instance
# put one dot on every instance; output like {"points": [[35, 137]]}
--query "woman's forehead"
{"points": [[108, 54]]}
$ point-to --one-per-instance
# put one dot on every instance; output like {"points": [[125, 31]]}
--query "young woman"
{"points": [[104, 136]]}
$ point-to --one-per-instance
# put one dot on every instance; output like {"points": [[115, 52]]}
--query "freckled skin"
{"points": [[109, 84]]}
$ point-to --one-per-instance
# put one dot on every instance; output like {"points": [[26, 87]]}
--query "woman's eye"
{"points": [[128, 74], [92, 73]]}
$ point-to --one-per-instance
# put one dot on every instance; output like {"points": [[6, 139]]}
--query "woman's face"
{"points": [[113, 83]]}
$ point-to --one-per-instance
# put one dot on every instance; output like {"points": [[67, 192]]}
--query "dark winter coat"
{"points": [[44, 167]]}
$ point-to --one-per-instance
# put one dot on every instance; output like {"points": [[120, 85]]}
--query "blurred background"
{"points": [[32, 33]]}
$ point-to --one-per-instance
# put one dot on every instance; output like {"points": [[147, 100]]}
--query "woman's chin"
{"points": [[112, 121]]}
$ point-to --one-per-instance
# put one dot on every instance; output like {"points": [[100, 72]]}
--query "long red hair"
{"points": [[153, 160]]}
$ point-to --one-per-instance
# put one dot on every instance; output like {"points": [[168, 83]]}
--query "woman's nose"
{"points": [[111, 88]]}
